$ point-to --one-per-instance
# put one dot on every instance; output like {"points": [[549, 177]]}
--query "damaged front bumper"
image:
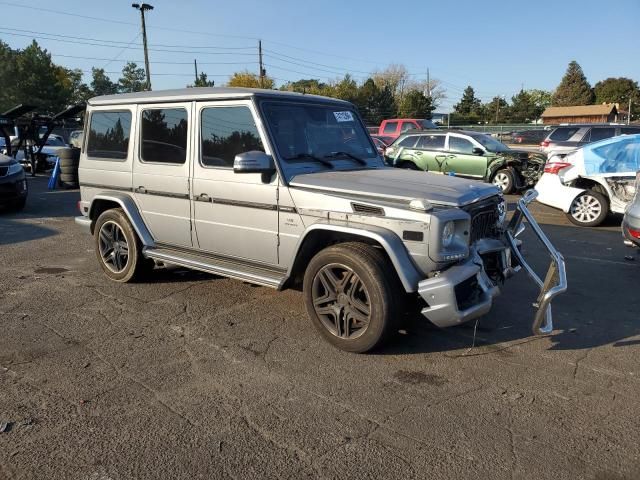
{"points": [[465, 291]]}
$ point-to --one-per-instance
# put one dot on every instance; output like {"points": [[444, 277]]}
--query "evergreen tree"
{"points": [[468, 104], [574, 89], [133, 79], [416, 105], [101, 84], [203, 81], [522, 108]]}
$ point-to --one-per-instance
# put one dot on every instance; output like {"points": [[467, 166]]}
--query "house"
{"points": [[605, 113]]}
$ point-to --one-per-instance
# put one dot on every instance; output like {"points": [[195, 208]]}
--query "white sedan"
{"points": [[593, 181]]}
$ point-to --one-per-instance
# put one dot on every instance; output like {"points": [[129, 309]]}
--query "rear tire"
{"points": [[351, 297], [118, 248], [589, 209]]}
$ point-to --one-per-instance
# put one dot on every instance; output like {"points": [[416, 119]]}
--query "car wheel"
{"points": [[588, 209], [350, 296], [18, 205], [118, 248], [503, 179], [408, 166]]}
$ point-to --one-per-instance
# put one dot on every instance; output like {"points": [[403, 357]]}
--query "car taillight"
{"points": [[545, 143], [79, 206], [634, 233], [555, 167]]}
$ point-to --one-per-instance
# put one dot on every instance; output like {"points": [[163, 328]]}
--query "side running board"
{"points": [[259, 275]]}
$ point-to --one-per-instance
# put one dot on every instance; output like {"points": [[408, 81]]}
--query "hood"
{"points": [[399, 185]]}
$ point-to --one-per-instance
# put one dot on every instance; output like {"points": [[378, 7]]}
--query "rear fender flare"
{"points": [[131, 211]]}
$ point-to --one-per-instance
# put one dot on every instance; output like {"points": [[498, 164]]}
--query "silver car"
{"points": [[631, 220], [287, 190]]}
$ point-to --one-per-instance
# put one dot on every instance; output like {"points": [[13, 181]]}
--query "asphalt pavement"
{"points": [[193, 376]]}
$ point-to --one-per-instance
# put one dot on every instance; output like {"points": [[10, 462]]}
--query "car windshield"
{"points": [[308, 136], [490, 143]]}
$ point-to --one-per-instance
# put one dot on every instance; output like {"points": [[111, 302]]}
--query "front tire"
{"points": [[408, 165], [589, 209], [503, 179], [350, 296], [118, 248]]}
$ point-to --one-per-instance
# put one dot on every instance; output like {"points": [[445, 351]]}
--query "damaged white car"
{"points": [[592, 181]]}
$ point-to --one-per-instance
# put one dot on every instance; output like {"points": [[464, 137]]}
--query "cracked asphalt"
{"points": [[193, 376]]}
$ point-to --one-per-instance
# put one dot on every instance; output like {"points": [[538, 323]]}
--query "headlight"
{"points": [[14, 168], [502, 212], [447, 234]]}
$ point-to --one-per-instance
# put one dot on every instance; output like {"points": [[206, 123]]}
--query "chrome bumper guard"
{"points": [[555, 281]]}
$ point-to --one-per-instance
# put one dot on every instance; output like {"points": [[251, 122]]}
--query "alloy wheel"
{"points": [[501, 180], [114, 249], [341, 301], [586, 208]]}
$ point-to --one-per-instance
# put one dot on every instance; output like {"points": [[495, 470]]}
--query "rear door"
{"points": [[161, 171], [461, 160], [431, 151]]}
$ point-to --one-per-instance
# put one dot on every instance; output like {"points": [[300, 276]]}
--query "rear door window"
{"points": [[629, 130], [563, 134], [390, 127], [408, 142], [601, 133], [109, 135], [431, 142], [408, 126], [460, 145], [164, 136]]}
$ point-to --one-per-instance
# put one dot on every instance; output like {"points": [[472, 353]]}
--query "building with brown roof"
{"points": [[605, 113]]}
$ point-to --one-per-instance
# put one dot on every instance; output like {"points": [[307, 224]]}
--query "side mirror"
{"points": [[477, 151], [254, 162]]}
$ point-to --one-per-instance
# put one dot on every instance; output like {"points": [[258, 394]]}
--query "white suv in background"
{"points": [[567, 138]]}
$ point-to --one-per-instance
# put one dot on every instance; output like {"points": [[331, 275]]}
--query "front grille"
{"points": [[3, 171], [484, 219]]}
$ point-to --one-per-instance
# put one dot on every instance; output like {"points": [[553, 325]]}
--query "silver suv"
{"points": [[287, 190], [567, 138]]}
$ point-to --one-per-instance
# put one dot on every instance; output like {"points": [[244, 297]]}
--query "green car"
{"points": [[467, 154]]}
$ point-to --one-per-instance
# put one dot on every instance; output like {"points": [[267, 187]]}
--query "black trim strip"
{"points": [[288, 209], [156, 193], [106, 187], [224, 258], [239, 203]]}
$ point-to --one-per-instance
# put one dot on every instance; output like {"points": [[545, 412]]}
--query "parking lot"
{"points": [[205, 377]]}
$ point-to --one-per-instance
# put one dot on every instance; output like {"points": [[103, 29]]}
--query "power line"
{"points": [[157, 62]]}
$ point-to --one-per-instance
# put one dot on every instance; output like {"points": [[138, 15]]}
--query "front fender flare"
{"points": [[407, 272], [131, 211]]}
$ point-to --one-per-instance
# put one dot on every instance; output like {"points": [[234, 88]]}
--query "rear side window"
{"points": [[601, 134], [431, 142], [109, 135], [408, 126], [563, 134], [390, 127], [226, 132], [164, 136], [629, 130]]}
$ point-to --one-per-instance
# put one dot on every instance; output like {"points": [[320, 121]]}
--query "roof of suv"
{"points": [[202, 93]]}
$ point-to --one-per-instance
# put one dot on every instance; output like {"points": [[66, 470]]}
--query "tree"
{"points": [[541, 99], [8, 76], [202, 81], [346, 89], [574, 89], [133, 79], [468, 104], [496, 111], [416, 105], [312, 86], [522, 108], [375, 104], [619, 90], [395, 76], [101, 84], [249, 80]]}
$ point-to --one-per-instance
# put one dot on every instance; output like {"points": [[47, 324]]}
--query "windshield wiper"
{"points": [[348, 155], [308, 156]]}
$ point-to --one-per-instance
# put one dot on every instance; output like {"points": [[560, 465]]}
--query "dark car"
{"points": [[631, 220], [13, 184], [566, 138], [467, 154], [529, 137]]}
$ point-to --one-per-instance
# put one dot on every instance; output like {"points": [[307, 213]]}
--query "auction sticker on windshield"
{"points": [[343, 116]]}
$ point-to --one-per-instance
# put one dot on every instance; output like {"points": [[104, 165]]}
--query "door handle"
{"points": [[141, 190], [418, 153], [203, 197]]}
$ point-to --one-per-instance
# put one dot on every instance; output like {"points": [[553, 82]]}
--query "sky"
{"points": [[496, 46]]}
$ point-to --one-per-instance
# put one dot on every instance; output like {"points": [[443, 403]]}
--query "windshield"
{"points": [[490, 143], [311, 137]]}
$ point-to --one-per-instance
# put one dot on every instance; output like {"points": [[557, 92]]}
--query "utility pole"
{"points": [[629, 112], [143, 8], [263, 72], [195, 66], [428, 84]]}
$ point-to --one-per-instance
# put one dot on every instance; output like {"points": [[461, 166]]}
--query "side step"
{"points": [[259, 275]]}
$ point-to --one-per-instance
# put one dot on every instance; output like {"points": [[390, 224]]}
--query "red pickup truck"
{"points": [[396, 126]]}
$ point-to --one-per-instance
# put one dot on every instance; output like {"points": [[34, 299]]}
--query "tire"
{"points": [[408, 165], [359, 276], [68, 153], [589, 209], [69, 180], [112, 226], [18, 205], [503, 179], [69, 165]]}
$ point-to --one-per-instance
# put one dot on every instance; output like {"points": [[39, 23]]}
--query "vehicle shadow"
{"points": [[12, 232], [599, 307]]}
